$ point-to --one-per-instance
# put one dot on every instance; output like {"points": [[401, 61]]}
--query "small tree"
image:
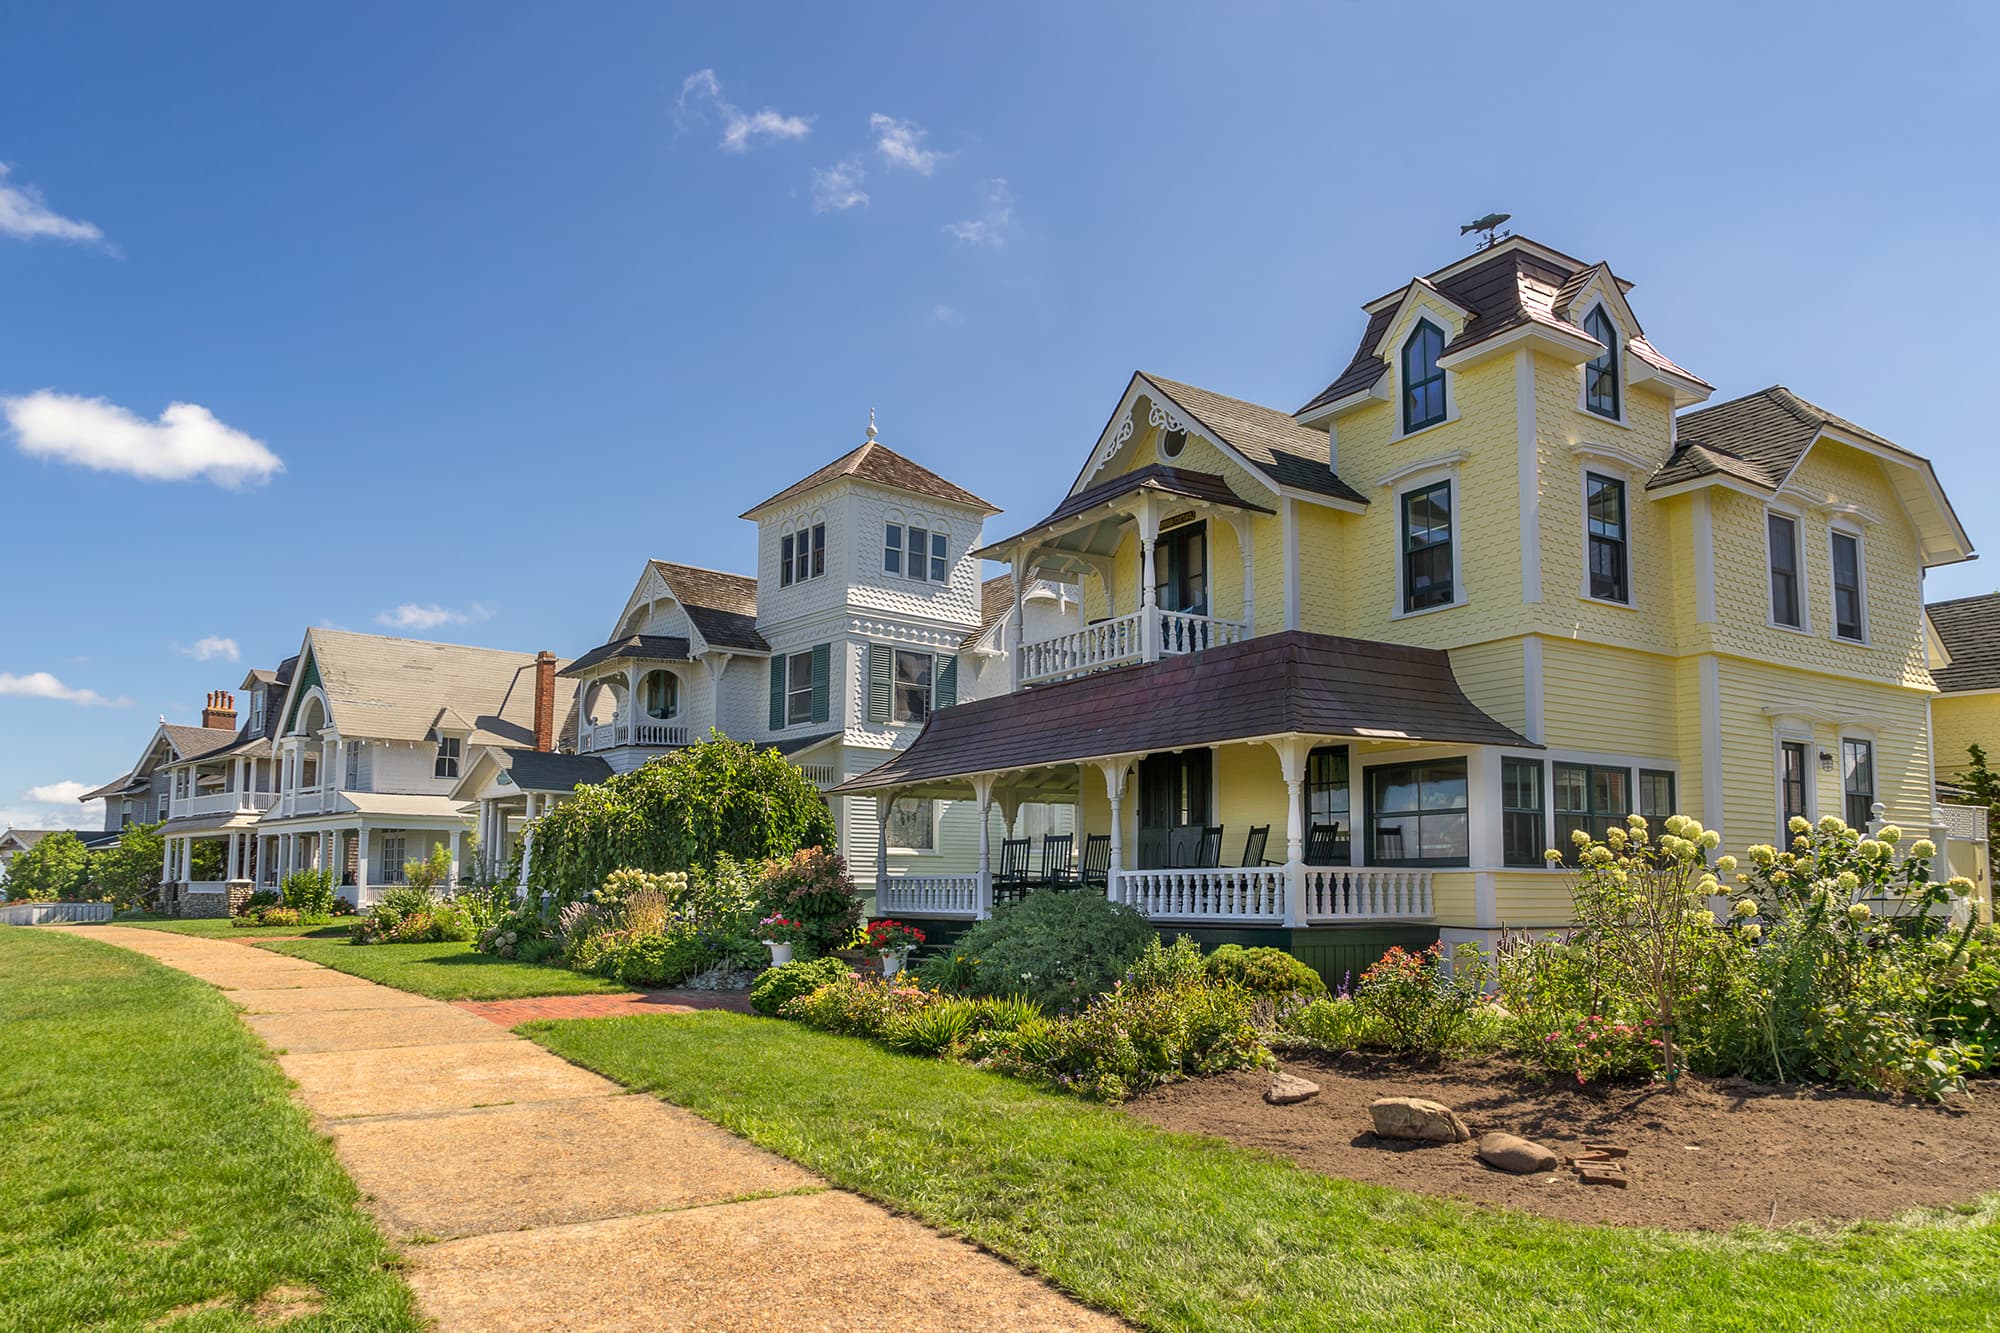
{"points": [[129, 873], [432, 873], [1981, 784], [52, 870]]}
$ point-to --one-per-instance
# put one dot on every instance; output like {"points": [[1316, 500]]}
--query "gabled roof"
{"points": [[541, 771], [1275, 685], [117, 787], [996, 599], [1516, 284], [1273, 445], [723, 607], [386, 688], [877, 462], [1969, 627], [640, 647], [1154, 477]]}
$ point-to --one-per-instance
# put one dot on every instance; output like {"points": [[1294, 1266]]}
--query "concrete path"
{"points": [[513, 1013], [531, 1194]]}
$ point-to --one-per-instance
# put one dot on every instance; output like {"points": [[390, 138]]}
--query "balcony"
{"points": [[1123, 640], [223, 803], [624, 731]]}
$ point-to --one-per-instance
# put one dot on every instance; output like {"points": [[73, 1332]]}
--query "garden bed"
{"points": [[1716, 1154]]}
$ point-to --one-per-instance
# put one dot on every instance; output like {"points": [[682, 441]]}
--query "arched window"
{"points": [[1600, 377], [1423, 381], [661, 691]]}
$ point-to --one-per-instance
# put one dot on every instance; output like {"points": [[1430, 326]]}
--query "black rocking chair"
{"points": [[1010, 882], [1058, 861], [1096, 871], [1255, 846], [1325, 846]]}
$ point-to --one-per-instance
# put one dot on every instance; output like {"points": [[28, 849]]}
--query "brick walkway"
{"points": [[510, 1013]]}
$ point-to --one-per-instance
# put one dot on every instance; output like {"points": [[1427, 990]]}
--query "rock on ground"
{"points": [[1417, 1118], [1287, 1090], [1510, 1152]]}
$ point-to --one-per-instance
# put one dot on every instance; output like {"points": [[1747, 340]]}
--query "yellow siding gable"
{"points": [[1959, 720]]}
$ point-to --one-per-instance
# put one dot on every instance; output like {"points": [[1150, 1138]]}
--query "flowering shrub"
{"points": [[780, 930], [1158, 965], [524, 935], [812, 888], [670, 886], [1597, 1049], [780, 985], [858, 1005], [272, 915], [1424, 1004], [886, 936], [262, 898], [1059, 949]]}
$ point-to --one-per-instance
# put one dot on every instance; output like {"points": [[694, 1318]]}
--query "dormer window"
{"points": [[257, 713], [1600, 377], [447, 757], [1423, 381]]}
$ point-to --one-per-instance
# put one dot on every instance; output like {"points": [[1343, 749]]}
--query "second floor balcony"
{"points": [[1137, 636]]}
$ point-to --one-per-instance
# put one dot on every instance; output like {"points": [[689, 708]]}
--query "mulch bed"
{"points": [[1715, 1154]]}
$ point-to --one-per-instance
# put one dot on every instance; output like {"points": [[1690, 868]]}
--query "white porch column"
{"points": [[457, 845], [235, 858], [1017, 569], [1292, 752], [881, 847], [166, 860], [1241, 524], [527, 841], [360, 864], [1149, 597], [632, 704], [982, 790], [1116, 773]]}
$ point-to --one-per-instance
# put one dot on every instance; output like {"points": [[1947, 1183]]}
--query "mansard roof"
{"points": [[723, 607], [877, 462]]}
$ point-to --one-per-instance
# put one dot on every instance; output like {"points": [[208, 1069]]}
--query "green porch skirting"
{"points": [[1340, 954]]}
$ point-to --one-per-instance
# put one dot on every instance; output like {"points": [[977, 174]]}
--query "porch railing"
{"points": [[820, 775], [1335, 894], [223, 803], [1964, 823], [646, 731], [928, 895], [1249, 894], [1108, 643], [1123, 640]]}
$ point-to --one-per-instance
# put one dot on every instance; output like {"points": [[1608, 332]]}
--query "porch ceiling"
{"points": [[1291, 684]]}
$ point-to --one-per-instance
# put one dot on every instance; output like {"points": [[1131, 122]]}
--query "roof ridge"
{"points": [[1955, 601], [704, 569]]}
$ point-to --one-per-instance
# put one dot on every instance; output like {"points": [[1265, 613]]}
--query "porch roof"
{"points": [[1155, 477], [1276, 685], [643, 647], [544, 771]]}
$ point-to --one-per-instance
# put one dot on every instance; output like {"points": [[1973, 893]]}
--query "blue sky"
{"points": [[515, 296]]}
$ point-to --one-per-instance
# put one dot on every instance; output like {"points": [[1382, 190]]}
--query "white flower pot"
{"points": [[780, 953], [892, 963]]}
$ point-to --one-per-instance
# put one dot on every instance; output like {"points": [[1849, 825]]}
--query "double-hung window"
{"points": [[1600, 377], [1592, 798], [1791, 787], [1656, 793], [1786, 605], [799, 688], [447, 757], [1849, 620], [786, 545], [915, 553], [913, 825], [802, 555], [1417, 814], [1427, 548], [1857, 769], [1423, 379], [1604, 515], [913, 686], [1523, 812]]}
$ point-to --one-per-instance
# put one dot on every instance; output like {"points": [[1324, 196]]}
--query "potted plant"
{"points": [[893, 940], [779, 934]]}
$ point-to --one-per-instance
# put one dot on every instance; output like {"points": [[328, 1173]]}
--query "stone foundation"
{"points": [[208, 905], [239, 894]]}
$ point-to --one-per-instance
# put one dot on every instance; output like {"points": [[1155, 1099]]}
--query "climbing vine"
{"points": [[681, 811]]}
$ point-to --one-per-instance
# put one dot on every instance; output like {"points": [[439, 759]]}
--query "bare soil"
{"points": [[1715, 1154]]}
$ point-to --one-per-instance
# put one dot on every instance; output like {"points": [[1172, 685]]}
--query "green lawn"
{"points": [[220, 928], [444, 971], [152, 1160], [1178, 1232]]}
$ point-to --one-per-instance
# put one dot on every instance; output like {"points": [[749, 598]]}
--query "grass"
{"points": [[152, 1160], [220, 927], [445, 971], [1179, 1232]]}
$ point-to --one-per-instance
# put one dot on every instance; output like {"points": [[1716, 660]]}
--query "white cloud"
{"points": [[415, 615], [56, 793], [701, 96], [23, 215], [42, 685], [207, 650], [838, 188], [901, 144], [186, 443], [950, 316], [994, 224]]}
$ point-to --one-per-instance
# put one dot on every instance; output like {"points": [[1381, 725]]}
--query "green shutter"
{"points": [[947, 682], [881, 683], [822, 673], [777, 692]]}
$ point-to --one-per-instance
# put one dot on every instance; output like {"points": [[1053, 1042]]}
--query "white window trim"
{"points": [[1419, 481], [1795, 732], [1842, 528], [1607, 466], [792, 687], [1805, 582], [1865, 735], [457, 759], [1622, 358], [1444, 324], [937, 831]]}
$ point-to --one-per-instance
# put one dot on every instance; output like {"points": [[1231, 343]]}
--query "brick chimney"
{"points": [[545, 701], [220, 711]]}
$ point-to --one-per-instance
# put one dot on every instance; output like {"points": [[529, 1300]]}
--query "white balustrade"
{"points": [[1250, 894], [820, 775], [1184, 632], [1964, 823], [928, 895], [1108, 643], [646, 731], [1335, 894], [223, 803]]}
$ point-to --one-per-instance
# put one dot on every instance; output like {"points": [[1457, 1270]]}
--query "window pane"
{"points": [[1656, 792], [937, 557], [919, 548], [913, 687], [1521, 818], [819, 549], [1442, 837], [1444, 787], [892, 549], [785, 561], [1846, 586], [912, 825], [1784, 570], [1396, 789]]}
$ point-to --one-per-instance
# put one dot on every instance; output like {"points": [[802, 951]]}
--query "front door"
{"points": [[1180, 569], [1173, 793]]}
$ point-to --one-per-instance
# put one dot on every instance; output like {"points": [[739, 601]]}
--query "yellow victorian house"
{"points": [[1347, 672]]}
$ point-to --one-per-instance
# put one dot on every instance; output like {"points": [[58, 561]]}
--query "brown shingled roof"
{"points": [[1279, 684], [1287, 453], [1759, 437], [1969, 628], [877, 462], [996, 599], [722, 606]]}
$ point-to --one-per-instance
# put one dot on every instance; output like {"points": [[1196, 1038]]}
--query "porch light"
{"points": [[1826, 761]]}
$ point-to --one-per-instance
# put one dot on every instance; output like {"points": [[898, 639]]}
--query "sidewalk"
{"points": [[530, 1194]]}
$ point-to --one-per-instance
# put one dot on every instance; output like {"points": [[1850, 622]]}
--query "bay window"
{"points": [[1417, 814]]}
